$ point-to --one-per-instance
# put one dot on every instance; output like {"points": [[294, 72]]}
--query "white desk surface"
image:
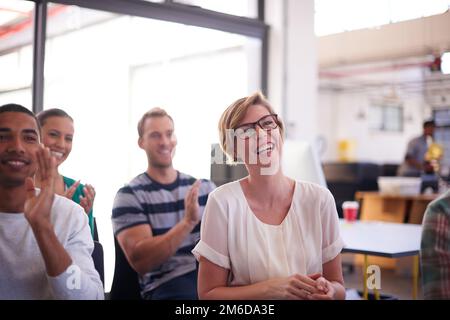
{"points": [[384, 239]]}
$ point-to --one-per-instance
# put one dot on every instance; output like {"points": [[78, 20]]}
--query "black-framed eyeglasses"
{"points": [[248, 130]]}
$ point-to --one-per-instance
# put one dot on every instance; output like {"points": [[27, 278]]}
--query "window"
{"points": [[445, 64], [16, 52], [442, 135], [244, 8], [386, 117]]}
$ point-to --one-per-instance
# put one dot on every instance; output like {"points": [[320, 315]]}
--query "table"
{"points": [[383, 239]]}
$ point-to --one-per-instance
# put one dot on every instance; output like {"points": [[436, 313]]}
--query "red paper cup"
{"points": [[350, 210]]}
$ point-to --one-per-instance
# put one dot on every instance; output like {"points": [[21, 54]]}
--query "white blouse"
{"points": [[232, 237]]}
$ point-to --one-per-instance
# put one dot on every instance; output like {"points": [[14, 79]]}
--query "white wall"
{"points": [[339, 120]]}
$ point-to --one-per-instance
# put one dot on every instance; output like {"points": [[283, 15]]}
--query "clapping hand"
{"points": [[69, 192], [191, 207], [88, 200], [37, 208]]}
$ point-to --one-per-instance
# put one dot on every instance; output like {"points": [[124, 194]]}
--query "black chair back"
{"points": [[125, 284], [95, 231], [97, 256]]}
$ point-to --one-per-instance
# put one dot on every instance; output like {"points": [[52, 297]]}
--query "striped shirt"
{"points": [[435, 249], [161, 206]]}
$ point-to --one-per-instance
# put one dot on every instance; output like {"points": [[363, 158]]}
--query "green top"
{"points": [[68, 182]]}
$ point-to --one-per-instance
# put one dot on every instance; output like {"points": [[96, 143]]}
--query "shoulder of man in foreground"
{"points": [[441, 205]]}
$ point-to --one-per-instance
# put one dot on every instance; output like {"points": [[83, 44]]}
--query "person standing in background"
{"points": [[414, 164]]}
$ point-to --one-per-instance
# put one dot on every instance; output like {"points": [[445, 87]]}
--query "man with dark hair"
{"points": [[156, 216], [414, 164], [45, 242], [13, 107]]}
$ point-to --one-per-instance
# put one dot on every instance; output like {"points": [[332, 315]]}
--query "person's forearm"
{"points": [[56, 259], [414, 163], [151, 252], [257, 291], [76, 284]]}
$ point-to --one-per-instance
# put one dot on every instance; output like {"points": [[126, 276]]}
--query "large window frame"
{"points": [[166, 11]]}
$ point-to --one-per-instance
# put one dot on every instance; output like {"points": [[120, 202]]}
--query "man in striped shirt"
{"points": [[435, 249], [156, 217]]}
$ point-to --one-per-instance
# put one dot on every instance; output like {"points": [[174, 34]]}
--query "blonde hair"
{"points": [[234, 114], [152, 113]]}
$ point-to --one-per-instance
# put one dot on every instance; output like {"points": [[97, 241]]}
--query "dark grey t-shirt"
{"points": [[417, 148]]}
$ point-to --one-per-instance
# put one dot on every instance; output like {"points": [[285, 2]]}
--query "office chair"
{"points": [[95, 231], [345, 179], [97, 256], [125, 284]]}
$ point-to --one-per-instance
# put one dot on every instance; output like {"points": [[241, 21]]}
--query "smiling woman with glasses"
{"points": [[266, 236]]}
